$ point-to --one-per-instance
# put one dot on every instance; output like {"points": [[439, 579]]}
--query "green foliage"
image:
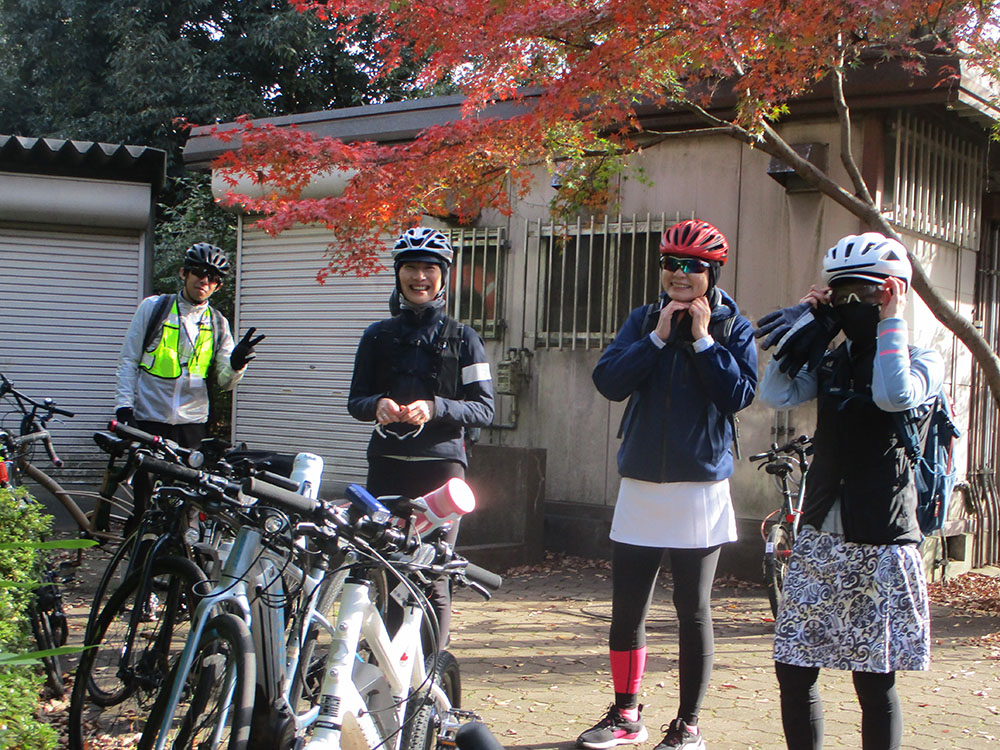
{"points": [[122, 71], [21, 520]]}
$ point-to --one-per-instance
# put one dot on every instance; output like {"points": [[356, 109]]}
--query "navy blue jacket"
{"points": [[677, 426], [407, 377]]}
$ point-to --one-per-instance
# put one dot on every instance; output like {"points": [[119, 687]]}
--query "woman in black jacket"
{"points": [[423, 378]]}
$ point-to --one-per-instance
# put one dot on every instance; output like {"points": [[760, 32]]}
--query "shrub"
{"points": [[21, 519]]}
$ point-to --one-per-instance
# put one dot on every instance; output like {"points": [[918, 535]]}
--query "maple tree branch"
{"points": [[844, 117]]}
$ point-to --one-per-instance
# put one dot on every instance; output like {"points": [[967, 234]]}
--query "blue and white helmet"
{"points": [[869, 257], [423, 244]]}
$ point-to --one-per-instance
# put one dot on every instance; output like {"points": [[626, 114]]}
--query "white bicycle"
{"points": [[333, 677]]}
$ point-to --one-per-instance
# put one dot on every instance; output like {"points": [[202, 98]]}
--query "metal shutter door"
{"points": [[68, 298], [294, 395]]}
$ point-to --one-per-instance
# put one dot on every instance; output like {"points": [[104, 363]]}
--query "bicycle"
{"points": [[237, 639], [133, 634], [782, 462], [113, 502]]}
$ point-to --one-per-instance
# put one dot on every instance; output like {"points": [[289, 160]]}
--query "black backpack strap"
{"points": [[386, 341], [449, 349], [160, 313], [218, 327]]}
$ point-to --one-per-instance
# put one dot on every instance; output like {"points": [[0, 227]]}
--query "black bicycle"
{"points": [[788, 464]]}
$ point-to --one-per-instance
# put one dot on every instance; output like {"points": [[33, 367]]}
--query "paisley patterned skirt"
{"points": [[858, 607]]}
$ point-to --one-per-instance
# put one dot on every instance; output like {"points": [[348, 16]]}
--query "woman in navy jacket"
{"points": [[687, 365]]}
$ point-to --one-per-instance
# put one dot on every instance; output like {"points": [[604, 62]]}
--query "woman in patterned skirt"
{"points": [[855, 597]]}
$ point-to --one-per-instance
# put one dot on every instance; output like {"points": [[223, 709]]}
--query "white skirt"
{"points": [[858, 607], [679, 515]]}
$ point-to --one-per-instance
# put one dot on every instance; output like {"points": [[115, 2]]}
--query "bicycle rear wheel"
{"points": [[118, 680], [777, 552], [52, 664], [216, 702]]}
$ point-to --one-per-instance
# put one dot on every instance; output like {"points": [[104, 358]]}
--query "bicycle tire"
{"points": [[423, 716], [225, 651], [52, 664], [776, 557], [112, 697]]}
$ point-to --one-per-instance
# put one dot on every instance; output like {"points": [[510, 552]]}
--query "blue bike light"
{"points": [[366, 502]]}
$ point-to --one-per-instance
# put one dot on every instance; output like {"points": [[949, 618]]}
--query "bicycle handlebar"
{"points": [[280, 497], [34, 437], [483, 577], [7, 387], [799, 446], [132, 433]]}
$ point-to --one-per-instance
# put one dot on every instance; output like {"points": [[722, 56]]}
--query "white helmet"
{"points": [[423, 244], [870, 257]]}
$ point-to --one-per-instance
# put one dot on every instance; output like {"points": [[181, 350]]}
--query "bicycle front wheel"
{"points": [[777, 552], [216, 702], [135, 640], [423, 718]]}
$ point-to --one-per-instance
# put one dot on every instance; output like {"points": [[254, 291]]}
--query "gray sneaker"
{"points": [[679, 734], [613, 730]]}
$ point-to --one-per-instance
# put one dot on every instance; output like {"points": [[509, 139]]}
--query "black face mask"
{"points": [[859, 321]]}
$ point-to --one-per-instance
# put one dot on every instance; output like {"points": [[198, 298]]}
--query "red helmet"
{"points": [[696, 238]]}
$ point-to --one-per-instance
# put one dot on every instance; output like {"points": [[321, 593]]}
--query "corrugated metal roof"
{"points": [[83, 159]]}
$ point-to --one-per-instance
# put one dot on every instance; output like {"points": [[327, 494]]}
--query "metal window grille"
{"points": [[935, 177], [476, 279], [590, 275]]}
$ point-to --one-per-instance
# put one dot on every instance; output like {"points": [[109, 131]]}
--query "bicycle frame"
{"points": [[400, 659]]}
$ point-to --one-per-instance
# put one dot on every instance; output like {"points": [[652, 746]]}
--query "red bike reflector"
{"points": [[790, 517]]}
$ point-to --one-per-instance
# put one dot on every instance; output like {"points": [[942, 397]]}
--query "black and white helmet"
{"points": [[869, 257], [204, 255], [423, 244]]}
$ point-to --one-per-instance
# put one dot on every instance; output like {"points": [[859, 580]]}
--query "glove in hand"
{"points": [[776, 324], [243, 352], [125, 415], [806, 341]]}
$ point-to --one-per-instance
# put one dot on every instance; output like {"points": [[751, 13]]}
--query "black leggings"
{"points": [[802, 708], [633, 575], [387, 476]]}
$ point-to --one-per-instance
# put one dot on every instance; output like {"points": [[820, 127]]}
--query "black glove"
{"points": [[124, 415], [776, 324], [806, 341], [243, 352]]}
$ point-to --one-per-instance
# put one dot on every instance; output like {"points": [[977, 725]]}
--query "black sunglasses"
{"points": [[204, 273], [684, 263]]}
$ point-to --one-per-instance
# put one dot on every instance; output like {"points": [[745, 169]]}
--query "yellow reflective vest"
{"points": [[164, 360]]}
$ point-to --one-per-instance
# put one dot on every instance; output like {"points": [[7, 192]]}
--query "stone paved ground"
{"points": [[534, 665]]}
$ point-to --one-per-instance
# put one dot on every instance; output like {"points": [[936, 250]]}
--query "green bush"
{"points": [[20, 520]]}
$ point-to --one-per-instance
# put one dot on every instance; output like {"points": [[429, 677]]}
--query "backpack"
{"points": [[928, 434]]}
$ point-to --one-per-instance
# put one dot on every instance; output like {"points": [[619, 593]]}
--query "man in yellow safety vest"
{"points": [[173, 343]]}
